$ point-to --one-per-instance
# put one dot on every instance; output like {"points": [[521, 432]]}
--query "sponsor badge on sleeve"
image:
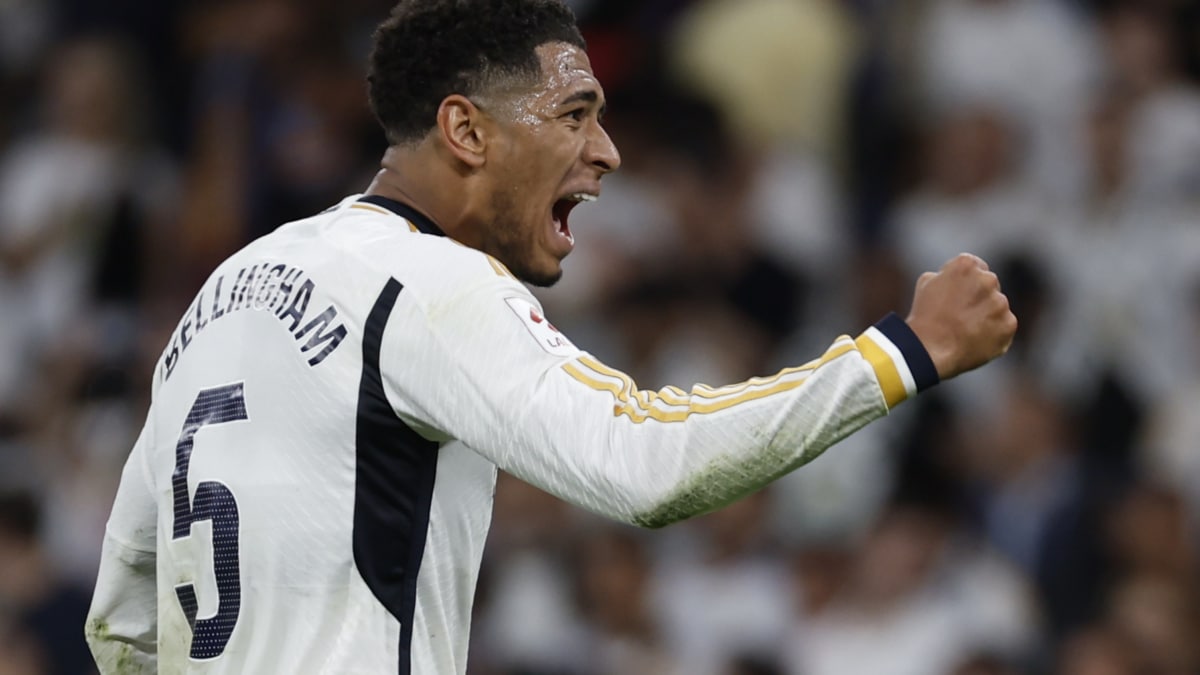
{"points": [[540, 328]]}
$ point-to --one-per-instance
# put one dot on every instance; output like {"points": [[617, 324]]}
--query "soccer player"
{"points": [[313, 485]]}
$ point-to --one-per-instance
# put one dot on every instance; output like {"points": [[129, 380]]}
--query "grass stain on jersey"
{"points": [[727, 479], [118, 657], [97, 629]]}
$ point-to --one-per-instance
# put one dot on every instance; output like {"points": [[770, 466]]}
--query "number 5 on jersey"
{"points": [[214, 502]]}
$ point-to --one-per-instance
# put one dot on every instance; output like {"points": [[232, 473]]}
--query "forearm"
{"points": [[653, 458], [488, 369], [724, 449]]}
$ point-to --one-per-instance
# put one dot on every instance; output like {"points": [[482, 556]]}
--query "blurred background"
{"points": [[791, 167]]}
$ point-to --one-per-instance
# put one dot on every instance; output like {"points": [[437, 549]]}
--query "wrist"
{"points": [[901, 363], [940, 356]]}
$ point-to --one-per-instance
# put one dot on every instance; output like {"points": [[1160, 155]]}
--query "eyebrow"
{"points": [[588, 96]]}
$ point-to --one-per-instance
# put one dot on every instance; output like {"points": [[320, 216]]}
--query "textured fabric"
{"points": [[351, 373]]}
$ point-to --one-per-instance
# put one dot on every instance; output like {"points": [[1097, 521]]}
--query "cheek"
{"points": [[525, 177], [550, 154]]}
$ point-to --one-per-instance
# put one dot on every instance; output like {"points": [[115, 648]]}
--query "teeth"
{"points": [[582, 197]]}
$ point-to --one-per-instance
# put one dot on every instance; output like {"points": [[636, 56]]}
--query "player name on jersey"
{"points": [[278, 288]]}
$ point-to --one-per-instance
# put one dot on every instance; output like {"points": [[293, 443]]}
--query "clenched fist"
{"points": [[961, 316]]}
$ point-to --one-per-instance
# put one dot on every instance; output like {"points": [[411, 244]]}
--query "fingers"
{"points": [[965, 270], [1005, 322], [968, 269], [962, 316], [1009, 323], [966, 261], [991, 282]]}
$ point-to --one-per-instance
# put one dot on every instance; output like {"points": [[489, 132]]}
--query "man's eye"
{"points": [[578, 114]]}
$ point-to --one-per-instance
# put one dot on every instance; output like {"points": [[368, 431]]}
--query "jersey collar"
{"points": [[418, 219]]}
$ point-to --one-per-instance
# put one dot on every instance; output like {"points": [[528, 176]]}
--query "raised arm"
{"points": [[516, 391]]}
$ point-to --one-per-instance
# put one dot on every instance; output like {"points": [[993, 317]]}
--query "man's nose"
{"points": [[602, 152]]}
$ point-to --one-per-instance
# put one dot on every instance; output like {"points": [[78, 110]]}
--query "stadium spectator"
{"points": [[1076, 121], [37, 610]]}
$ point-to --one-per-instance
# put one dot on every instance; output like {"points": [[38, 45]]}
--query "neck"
{"points": [[427, 182]]}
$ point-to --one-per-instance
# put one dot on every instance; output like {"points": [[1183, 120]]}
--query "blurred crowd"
{"points": [[790, 168]]}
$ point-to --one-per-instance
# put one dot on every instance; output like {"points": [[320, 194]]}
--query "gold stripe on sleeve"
{"points": [[672, 404], [885, 370], [705, 391]]}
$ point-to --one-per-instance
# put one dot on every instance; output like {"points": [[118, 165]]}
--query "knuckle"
{"points": [[958, 262], [970, 261]]}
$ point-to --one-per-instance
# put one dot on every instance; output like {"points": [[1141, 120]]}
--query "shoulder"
{"points": [[433, 267], [451, 278]]}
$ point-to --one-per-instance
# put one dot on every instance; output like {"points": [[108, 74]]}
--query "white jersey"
{"points": [[313, 486]]}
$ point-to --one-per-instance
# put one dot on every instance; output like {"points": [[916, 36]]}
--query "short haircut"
{"points": [[430, 49]]}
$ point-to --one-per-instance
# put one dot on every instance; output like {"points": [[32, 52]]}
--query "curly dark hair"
{"points": [[430, 49]]}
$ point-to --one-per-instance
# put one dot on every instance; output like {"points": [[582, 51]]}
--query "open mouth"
{"points": [[562, 212]]}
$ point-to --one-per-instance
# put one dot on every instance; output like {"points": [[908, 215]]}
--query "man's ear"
{"points": [[462, 126]]}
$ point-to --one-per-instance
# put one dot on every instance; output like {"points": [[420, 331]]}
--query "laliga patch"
{"points": [[540, 328]]}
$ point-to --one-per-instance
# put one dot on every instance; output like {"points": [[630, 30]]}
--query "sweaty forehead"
{"points": [[565, 75], [565, 70]]}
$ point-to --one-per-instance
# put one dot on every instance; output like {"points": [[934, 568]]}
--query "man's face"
{"points": [[548, 154]]}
